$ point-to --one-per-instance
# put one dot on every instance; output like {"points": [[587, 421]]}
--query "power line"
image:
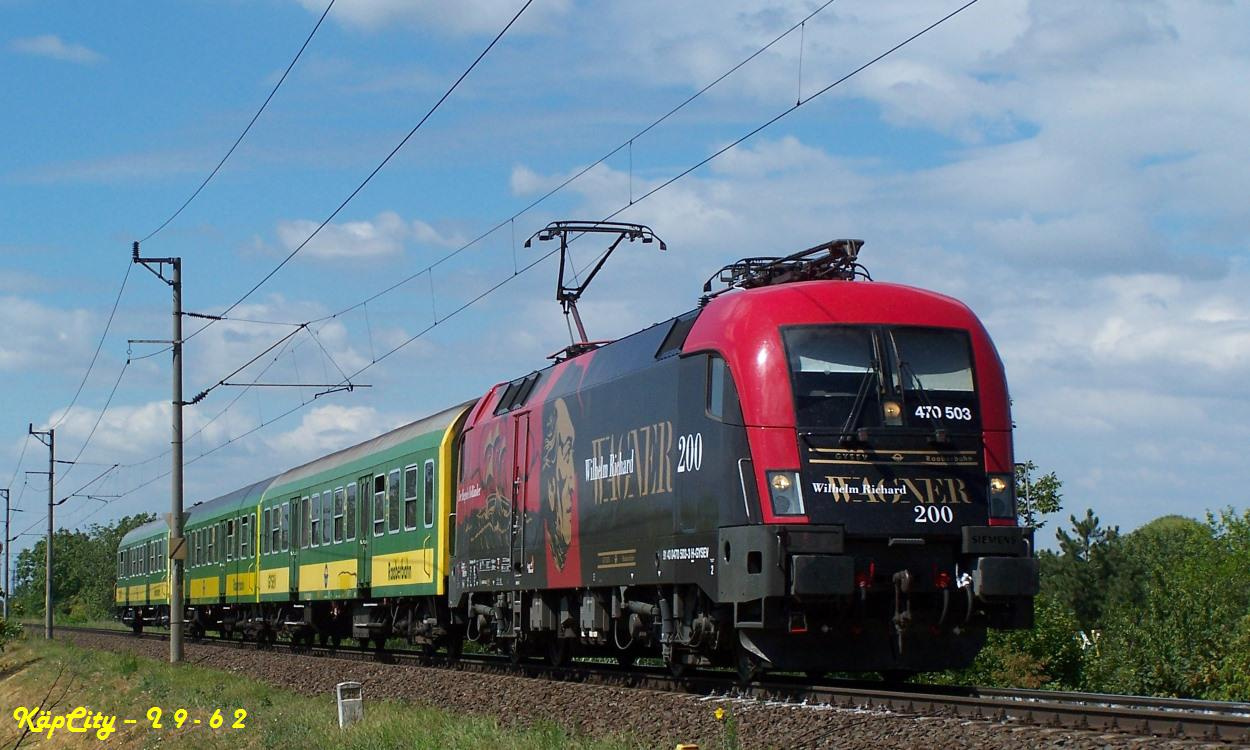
{"points": [[370, 176], [582, 172], [108, 324], [100, 417], [252, 122]]}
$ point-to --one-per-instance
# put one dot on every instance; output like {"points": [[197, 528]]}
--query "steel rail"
{"points": [[1215, 721]]}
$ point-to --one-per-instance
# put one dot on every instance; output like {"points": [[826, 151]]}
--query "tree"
{"points": [[1036, 497], [1183, 631], [84, 569], [1088, 563]]}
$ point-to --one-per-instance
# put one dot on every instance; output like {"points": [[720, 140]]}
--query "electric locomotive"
{"points": [[813, 472]]}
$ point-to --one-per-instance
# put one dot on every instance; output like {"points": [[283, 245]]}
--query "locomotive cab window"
{"points": [[851, 377], [933, 359], [836, 376], [722, 397]]}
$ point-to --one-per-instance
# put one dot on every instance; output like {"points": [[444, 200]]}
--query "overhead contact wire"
{"points": [[252, 122], [371, 175], [582, 172]]}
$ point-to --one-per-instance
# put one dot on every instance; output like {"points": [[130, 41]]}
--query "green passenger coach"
{"points": [[142, 593], [354, 544], [221, 559]]}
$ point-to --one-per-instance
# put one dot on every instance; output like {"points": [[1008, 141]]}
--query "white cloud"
{"points": [[52, 46], [383, 236], [325, 429], [465, 17], [37, 336]]}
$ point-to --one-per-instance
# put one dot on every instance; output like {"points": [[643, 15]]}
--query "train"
{"points": [[810, 471]]}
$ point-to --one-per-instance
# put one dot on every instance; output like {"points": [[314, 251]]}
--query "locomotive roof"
{"points": [[433, 423]]}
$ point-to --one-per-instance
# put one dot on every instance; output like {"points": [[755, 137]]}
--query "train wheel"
{"points": [[363, 643], [558, 650], [626, 659], [896, 676]]}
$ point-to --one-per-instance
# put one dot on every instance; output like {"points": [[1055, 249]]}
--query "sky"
{"points": [[1075, 172]]}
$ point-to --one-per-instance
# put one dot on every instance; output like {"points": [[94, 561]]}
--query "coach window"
{"points": [[392, 497], [212, 539], [305, 514], [286, 527], [265, 526], [327, 516], [295, 527], [245, 537], [315, 524], [410, 497], [230, 536], [429, 494], [338, 514], [351, 511], [379, 504], [275, 528]]}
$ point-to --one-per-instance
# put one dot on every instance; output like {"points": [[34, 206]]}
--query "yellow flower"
{"points": [[720, 713]]}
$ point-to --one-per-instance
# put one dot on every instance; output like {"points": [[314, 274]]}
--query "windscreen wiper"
{"points": [[861, 396], [940, 433]]}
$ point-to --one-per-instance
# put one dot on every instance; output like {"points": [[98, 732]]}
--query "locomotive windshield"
{"points": [[850, 377]]}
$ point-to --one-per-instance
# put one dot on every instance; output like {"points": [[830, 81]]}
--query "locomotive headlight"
{"points": [[1002, 496], [893, 410], [784, 491]]}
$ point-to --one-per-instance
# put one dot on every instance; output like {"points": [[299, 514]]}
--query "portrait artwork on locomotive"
{"points": [[810, 471]]}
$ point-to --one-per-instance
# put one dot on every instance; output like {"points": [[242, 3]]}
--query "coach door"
{"points": [[520, 483], [364, 526]]}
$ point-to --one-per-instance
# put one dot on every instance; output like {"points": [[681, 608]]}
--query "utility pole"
{"points": [[7, 533], [50, 441], [177, 550]]}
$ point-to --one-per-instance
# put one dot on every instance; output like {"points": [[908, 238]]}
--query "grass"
{"points": [[62, 677]]}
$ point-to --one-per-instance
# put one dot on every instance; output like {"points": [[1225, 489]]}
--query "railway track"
{"points": [[1160, 717]]}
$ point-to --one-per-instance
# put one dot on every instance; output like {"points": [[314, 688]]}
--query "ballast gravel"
{"points": [[654, 719]]}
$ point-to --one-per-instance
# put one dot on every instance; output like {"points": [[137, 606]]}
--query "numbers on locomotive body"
{"points": [[934, 514], [689, 452], [961, 413]]}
